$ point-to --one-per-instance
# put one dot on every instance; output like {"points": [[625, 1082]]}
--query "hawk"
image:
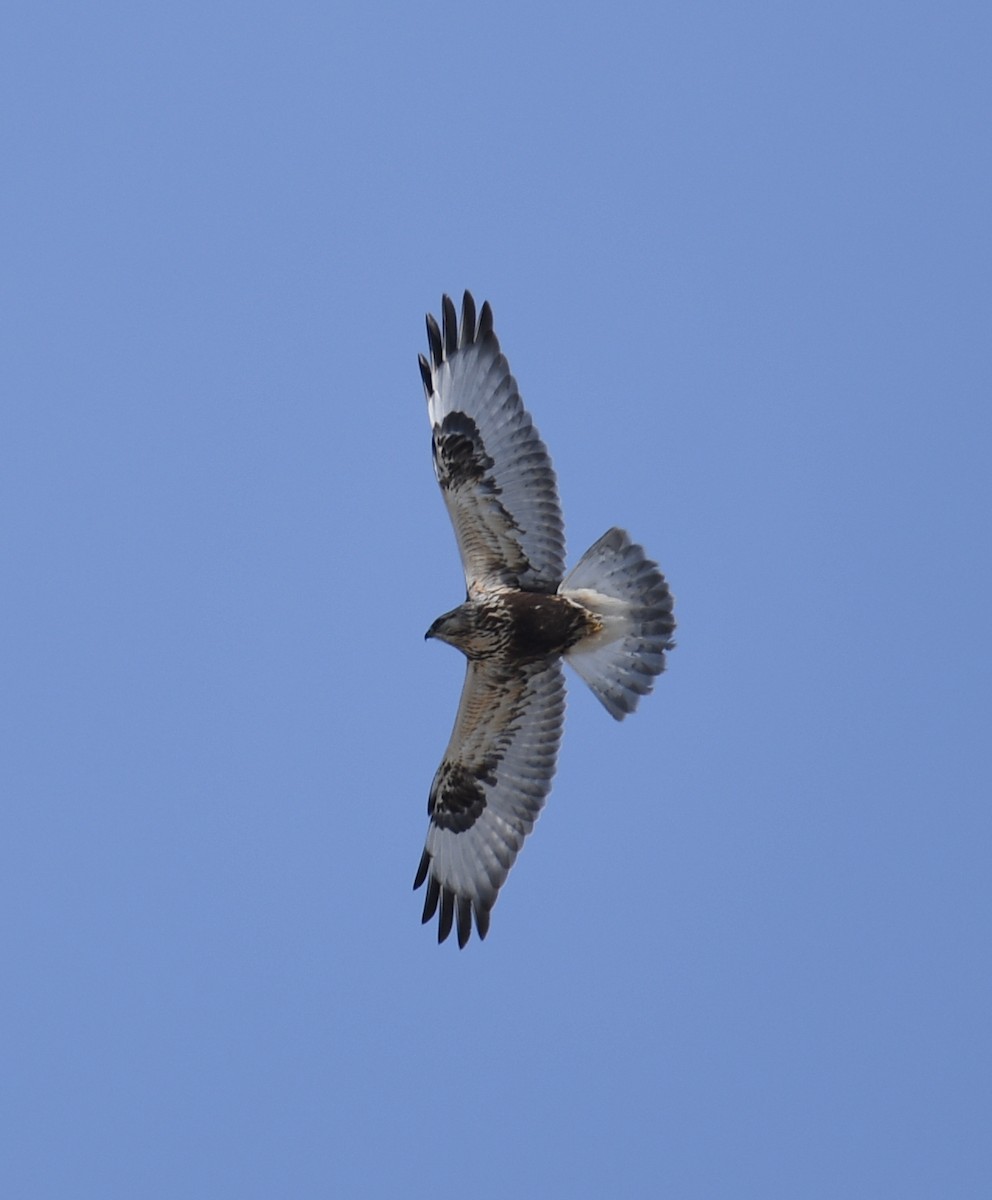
{"points": [[610, 618]]}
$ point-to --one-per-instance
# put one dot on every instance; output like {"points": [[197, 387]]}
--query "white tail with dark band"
{"points": [[617, 582]]}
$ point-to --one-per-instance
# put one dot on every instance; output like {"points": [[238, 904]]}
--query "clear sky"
{"points": [[740, 259]]}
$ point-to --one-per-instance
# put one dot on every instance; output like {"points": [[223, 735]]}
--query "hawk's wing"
{"points": [[494, 470], [489, 788]]}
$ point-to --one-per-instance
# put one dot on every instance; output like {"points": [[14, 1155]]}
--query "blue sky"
{"points": [[740, 261]]}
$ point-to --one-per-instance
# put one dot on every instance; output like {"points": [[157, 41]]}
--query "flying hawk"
{"points": [[610, 618]]}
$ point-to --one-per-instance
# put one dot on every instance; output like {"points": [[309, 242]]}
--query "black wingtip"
{"points": [[468, 320], [427, 375], [450, 325], [464, 921], [425, 864], [446, 336], [430, 900], [447, 917], [434, 340], [482, 922]]}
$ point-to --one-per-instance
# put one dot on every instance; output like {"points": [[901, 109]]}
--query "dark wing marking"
{"points": [[489, 788], [494, 471]]}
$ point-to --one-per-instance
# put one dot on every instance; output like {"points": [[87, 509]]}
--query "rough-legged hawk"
{"points": [[610, 618]]}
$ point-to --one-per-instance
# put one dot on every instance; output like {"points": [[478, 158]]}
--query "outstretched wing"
{"points": [[494, 470], [489, 788]]}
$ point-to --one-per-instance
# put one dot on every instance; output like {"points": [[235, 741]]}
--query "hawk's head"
{"points": [[454, 627], [474, 628]]}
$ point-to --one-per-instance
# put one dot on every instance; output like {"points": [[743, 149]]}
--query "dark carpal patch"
{"points": [[457, 798], [459, 454]]}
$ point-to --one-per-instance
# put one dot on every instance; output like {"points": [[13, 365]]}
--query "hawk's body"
{"points": [[515, 626], [611, 618]]}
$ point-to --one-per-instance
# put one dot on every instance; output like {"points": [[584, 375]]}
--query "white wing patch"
{"points": [[493, 469], [489, 788]]}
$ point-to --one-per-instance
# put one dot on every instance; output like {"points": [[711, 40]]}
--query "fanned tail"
{"points": [[621, 586]]}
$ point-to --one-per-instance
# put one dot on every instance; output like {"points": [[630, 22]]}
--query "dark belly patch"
{"points": [[543, 624]]}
